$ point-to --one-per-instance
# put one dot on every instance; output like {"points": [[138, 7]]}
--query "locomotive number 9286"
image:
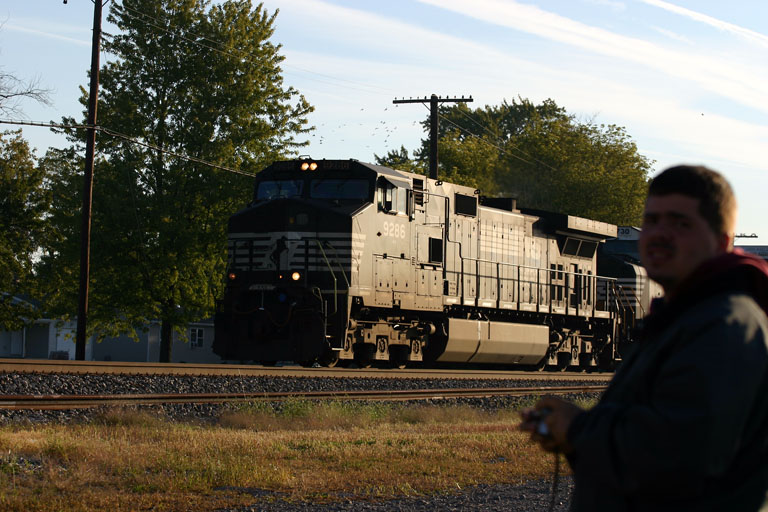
{"points": [[393, 229]]}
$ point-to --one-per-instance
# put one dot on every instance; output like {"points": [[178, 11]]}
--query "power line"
{"points": [[484, 141], [173, 153], [488, 143], [198, 43], [145, 18], [434, 101], [219, 48], [44, 124], [515, 147], [216, 46], [129, 139]]}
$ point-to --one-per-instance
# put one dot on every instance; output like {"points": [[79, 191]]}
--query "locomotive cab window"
{"points": [[354, 189], [576, 247], [278, 189], [391, 197]]}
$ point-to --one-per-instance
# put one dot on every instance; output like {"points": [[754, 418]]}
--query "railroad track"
{"points": [[143, 368], [59, 402]]}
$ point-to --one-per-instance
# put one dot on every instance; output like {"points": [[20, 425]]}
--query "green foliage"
{"points": [[543, 156], [23, 202], [401, 161], [188, 79]]}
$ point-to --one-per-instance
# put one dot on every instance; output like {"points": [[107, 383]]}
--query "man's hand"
{"points": [[556, 419]]}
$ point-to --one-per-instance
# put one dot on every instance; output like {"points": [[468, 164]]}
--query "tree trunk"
{"points": [[166, 341]]}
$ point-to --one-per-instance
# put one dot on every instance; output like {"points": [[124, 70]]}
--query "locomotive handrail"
{"points": [[336, 255], [541, 268], [333, 275], [637, 299], [550, 272]]}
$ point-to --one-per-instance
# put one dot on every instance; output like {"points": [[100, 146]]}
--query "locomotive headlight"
{"points": [[304, 166], [296, 276], [232, 276], [308, 166], [313, 166]]}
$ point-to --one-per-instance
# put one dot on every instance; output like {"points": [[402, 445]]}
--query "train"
{"points": [[338, 261]]}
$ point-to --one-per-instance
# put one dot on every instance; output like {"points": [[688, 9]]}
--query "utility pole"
{"points": [[433, 124], [90, 144]]}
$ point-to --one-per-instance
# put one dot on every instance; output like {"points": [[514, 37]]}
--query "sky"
{"points": [[686, 79]]}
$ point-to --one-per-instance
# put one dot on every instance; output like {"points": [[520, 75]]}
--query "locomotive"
{"points": [[339, 261]]}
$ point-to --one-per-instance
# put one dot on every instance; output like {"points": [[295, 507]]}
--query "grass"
{"points": [[129, 460]]}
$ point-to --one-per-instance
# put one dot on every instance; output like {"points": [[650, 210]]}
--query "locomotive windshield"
{"points": [[278, 189], [339, 189], [318, 188]]}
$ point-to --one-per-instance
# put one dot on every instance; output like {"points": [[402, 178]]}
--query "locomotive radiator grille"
{"points": [[293, 250]]}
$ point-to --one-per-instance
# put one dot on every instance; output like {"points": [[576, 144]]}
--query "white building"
{"points": [[55, 339]]}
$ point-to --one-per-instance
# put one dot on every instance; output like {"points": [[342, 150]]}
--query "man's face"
{"points": [[676, 239]]}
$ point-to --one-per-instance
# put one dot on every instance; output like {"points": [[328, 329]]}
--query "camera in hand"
{"points": [[537, 416]]}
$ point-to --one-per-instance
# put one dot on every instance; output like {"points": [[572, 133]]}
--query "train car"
{"points": [[337, 261], [636, 289]]}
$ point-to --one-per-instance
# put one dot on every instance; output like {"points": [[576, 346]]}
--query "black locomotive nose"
{"points": [[290, 279]]}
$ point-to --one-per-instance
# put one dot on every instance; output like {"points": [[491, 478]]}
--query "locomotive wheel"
{"points": [[398, 356], [541, 365], [364, 354], [329, 359], [307, 363]]}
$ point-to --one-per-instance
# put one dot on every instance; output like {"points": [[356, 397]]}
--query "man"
{"points": [[684, 422]]}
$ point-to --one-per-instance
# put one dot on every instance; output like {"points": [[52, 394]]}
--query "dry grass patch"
{"points": [[127, 460]]}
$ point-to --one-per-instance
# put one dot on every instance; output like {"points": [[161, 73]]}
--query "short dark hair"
{"points": [[717, 203]]}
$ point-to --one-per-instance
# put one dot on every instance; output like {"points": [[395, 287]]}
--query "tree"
{"points": [[188, 79], [13, 90], [399, 159], [581, 169], [544, 157], [23, 205]]}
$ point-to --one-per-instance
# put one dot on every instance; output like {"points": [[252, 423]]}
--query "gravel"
{"points": [[14, 383], [533, 496]]}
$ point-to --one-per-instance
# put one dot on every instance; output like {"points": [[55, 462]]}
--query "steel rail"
{"points": [[11, 365], [53, 402]]}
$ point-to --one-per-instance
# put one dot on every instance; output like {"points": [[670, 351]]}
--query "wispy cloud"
{"points": [[716, 75], [49, 35], [616, 96], [614, 5], [672, 35], [749, 35]]}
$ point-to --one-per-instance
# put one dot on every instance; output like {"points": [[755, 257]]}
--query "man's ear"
{"points": [[725, 242]]}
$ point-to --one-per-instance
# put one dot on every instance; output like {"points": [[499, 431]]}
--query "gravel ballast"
{"points": [[14, 383]]}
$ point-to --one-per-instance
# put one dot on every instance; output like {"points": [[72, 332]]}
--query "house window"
{"points": [[196, 337]]}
